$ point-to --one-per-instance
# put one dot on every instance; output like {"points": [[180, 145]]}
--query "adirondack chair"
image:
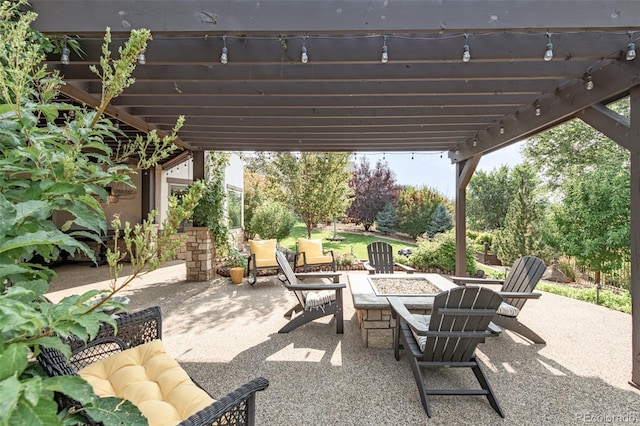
{"points": [[516, 289], [314, 300], [381, 259], [447, 338]]}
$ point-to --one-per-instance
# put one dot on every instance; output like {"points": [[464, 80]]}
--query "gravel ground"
{"points": [[399, 285], [224, 335]]}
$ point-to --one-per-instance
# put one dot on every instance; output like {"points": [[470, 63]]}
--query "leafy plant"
{"points": [[53, 162], [236, 259], [440, 253], [415, 207], [272, 220]]}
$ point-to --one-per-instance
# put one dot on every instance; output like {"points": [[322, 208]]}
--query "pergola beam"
{"points": [[609, 123], [286, 16]]}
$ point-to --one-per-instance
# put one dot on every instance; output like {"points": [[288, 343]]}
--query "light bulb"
{"points": [[142, 57], [466, 56], [385, 55], [588, 84], [304, 57], [64, 57], [536, 105], [501, 128], [548, 54], [631, 52], [224, 58]]}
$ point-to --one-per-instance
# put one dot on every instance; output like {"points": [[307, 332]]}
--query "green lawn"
{"points": [[353, 243]]}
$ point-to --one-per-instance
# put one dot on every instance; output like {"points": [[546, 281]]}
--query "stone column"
{"points": [[199, 254]]}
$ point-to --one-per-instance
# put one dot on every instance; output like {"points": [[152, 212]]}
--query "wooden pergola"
{"points": [[346, 98]]}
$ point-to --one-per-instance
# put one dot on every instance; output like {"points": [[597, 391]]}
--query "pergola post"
{"points": [[635, 233], [464, 171], [198, 165]]}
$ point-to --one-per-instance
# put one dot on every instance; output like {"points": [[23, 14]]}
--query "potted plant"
{"points": [[237, 263]]}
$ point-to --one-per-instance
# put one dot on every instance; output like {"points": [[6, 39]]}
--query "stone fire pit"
{"points": [[370, 292]]}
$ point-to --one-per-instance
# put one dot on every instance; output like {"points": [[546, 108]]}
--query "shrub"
{"points": [[441, 253], [346, 259], [485, 239], [272, 220], [386, 220]]}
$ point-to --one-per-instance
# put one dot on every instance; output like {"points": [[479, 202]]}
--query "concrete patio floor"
{"points": [[225, 334]]}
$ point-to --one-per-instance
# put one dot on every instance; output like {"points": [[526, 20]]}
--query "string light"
{"points": [[475, 141], [466, 55], [588, 82], [142, 57], [536, 105], [385, 53], [412, 155], [224, 58], [631, 51], [304, 57], [64, 56], [501, 128], [548, 54]]}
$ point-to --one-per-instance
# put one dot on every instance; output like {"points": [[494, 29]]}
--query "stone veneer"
{"points": [[199, 254], [377, 327]]}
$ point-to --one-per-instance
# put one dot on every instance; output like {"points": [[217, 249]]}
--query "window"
{"points": [[234, 203]]}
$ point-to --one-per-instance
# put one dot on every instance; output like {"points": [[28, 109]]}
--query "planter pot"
{"points": [[236, 274]]}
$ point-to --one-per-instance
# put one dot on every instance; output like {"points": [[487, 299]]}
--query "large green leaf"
{"points": [[42, 414], [39, 238], [9, 395], [73, 386], [114, 411], [13, 360]]}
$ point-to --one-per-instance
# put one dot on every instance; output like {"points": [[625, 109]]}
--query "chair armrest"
{"points": [[304, 287], [398, 309], [234, 400], [471, 280], [334, 276], [369, 268], [519, 295], [407, 269]]}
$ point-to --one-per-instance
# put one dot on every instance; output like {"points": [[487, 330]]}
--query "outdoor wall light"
{"points": [[224, 58], [548, 54], [466, 55], [631, 51], [385, 53]]}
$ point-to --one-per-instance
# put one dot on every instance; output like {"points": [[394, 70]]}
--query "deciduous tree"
{"points": [[372, 189], [488, 199], [314, 185], [415, 207]]}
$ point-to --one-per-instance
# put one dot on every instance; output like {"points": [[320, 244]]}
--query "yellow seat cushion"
{"points": [[152, 380], [265, 251], [313, 252]]}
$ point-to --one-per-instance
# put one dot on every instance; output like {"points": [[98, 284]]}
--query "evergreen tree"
{"points": [[441, 221], [386, 220], [523, 226]]}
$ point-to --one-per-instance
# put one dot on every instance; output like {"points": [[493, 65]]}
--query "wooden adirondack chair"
{"points": [[447, 338], [381, 259], [516, 289], [314, 300]]}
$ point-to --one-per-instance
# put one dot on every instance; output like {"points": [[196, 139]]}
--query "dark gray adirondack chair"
{"points": [[516, 289], [381, 259], [447, 338], [314, 300]]}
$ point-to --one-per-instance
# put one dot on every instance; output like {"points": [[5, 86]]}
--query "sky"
{"points": [[428, 169]]}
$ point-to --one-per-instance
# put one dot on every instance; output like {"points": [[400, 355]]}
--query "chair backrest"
{"points": [[381, 257], [459, 322], [523, 277], [290, 277]]}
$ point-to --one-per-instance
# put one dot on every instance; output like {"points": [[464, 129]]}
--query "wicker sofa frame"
{"points": [[235, 408]]}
